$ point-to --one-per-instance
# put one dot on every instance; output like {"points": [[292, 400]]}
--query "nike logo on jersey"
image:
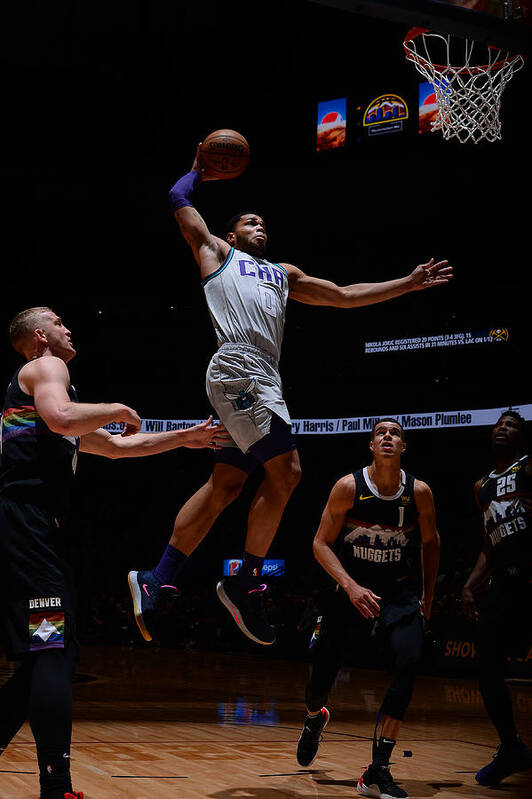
{"points": [[370, 496]]}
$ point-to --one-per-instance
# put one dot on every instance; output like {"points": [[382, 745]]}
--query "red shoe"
{"points": [[75, 795]]}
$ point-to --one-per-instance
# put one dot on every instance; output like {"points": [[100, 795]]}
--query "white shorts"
{"points": [[244, 387]]}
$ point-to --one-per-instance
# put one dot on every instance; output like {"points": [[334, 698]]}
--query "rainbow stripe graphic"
{"points": [[46, 631], [19, 422]]}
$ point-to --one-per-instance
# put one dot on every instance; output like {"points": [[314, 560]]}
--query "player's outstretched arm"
{"points": [[317, 291], [209, 250], [47, 380], [109, 445], [340, 500], [430, 543]]}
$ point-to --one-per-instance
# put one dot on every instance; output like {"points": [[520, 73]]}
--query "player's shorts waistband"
{"points": [[249, 348]]}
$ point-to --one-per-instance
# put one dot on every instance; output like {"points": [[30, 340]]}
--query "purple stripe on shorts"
{"points": [[278, 441]]}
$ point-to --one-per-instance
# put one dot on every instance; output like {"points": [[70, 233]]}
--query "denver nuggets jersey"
{"points": [[380, 542], [36, 465], [507, 521], [247, 298]]}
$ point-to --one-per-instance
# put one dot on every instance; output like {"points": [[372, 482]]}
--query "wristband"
{"points": [[181, 193]]}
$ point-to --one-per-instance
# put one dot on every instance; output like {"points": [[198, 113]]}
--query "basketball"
{"points": [[224, 154]]}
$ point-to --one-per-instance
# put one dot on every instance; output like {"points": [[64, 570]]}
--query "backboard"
{"points": [[503, 23]]}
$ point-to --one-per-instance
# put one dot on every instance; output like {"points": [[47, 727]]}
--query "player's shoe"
{"points": [[74, 795], [147, 594], [246, 607], [507, 760], [377, 781], [309, 740]]}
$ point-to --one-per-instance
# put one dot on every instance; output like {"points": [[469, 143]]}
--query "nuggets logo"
{"points": [[385, 109], [499, 334]]}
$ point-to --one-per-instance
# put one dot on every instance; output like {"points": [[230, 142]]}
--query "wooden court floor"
{"points": [[173, 724]]}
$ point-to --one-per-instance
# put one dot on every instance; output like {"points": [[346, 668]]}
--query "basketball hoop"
{"points": [[468, 96]]}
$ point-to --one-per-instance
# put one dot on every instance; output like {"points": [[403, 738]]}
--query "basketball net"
{"points": [[468, 96]]}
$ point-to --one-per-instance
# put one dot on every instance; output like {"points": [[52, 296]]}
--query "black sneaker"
{"points": [[507, 760], [246, 607], [378, 782], [309, 740], [147, 594]]}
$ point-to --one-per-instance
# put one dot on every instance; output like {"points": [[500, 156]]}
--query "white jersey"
{"points": [[247, 298]]}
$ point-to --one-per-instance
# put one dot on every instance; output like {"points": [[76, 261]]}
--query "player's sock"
{"points": [[50, 715], [170, 565], [55, 780], [498, 701], [251, 569], [510, 738], [383, 751]]}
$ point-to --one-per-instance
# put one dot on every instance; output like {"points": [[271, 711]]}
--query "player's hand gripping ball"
{"points": [[224, 155]]}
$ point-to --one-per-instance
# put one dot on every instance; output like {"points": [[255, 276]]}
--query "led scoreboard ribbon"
{"points": [[434, 420]]}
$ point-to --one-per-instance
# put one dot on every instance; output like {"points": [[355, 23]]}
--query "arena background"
{"points": [[103, 107]]}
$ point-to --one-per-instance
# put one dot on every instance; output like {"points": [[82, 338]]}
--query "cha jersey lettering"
{"points": [[246, 298], [263, 271]]}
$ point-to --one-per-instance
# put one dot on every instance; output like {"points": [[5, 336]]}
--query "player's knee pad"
{"points": [[395, 703], [399, 693]]}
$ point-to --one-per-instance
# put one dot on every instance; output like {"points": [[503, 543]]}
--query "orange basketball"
{"points": [[224, 154]]}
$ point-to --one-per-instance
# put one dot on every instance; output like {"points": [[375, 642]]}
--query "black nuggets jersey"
{"points": [[380, 544], [36, 465], [507, 520]]}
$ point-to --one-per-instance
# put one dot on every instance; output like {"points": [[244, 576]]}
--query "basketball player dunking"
{"points": [[246, 296], [504, 497], [378, 541]]}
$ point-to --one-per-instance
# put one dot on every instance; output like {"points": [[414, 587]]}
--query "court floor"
{"points": [[171, 723]]}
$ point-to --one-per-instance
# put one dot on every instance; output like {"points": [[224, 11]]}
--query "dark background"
{"points": [[103, 105]]}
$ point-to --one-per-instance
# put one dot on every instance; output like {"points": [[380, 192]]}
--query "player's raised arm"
{"points": [[317, 291], [209, 251], [340, 500]]}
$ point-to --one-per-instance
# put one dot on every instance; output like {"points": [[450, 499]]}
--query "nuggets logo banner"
{"points": [[385, 114]]}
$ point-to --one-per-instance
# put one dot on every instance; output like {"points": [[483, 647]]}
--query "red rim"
{"points": [[413, 33]]}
